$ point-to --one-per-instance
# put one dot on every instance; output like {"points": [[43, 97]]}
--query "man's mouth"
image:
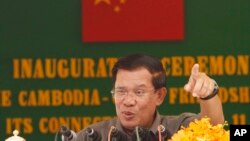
{"points": [[128, 115]]}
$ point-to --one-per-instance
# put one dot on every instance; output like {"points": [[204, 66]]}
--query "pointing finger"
{"points": [[195, 71], [194, 75]]}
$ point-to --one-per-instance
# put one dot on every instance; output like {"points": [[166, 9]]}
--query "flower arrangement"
{"points": [[202, 130]]}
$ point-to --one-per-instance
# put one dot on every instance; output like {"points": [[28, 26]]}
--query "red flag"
{"points": [[132, 20]]}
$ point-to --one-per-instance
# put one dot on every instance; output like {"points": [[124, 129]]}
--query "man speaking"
{"points": [[139, 87]]}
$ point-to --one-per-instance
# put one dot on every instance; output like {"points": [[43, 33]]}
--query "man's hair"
{"points": [[136, 61]]}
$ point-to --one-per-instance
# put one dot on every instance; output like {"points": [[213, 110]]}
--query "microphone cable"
{"points": [[159, 132], [137, 133], [109, 133], [55, 139], [162, 133], [115, 135]]}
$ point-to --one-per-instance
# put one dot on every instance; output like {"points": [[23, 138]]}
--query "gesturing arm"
{"points": [[202, 86]]}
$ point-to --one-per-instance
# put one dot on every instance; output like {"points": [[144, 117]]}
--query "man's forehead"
{"points": [[137, 73], [135, 86]]}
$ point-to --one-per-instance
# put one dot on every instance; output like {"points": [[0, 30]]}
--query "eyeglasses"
{"points": [[138, 93]]}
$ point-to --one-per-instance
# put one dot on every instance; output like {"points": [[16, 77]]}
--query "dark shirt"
{"points": [[171, 123]]}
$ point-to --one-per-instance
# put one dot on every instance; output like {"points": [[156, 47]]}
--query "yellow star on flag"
{"points": [[122, 1], [117, 9], [105, 1]]}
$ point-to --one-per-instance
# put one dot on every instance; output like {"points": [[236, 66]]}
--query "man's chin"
{"points": [[129, 125]]}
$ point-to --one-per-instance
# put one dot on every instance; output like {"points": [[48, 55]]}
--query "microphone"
{"points": [[92, 135], [117, 135], [67, 134], [143, 134], [162, 132]]}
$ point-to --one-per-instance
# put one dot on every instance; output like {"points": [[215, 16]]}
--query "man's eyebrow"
{"points": [[141, 86], [120, 87]]}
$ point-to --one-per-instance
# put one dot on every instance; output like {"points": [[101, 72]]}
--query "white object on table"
{"points": [[15, 137]]}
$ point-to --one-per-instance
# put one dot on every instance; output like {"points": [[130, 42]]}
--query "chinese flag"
{"points": [[132, 20]]}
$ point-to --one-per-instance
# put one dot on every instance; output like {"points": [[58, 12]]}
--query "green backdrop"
{"points": [[36, 33]]}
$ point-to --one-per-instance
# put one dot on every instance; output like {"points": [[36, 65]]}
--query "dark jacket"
{"points": [[101, 130]]}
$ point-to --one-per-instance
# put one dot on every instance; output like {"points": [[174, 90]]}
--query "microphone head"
{"points": [[65, 131], [117, 135], [67, 134], [114, 131], [143, 134], [163, 132], [92, 135], [162, 128], [90, 131]]}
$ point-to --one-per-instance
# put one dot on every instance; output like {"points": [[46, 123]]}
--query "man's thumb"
{"points": [[187, 87]]}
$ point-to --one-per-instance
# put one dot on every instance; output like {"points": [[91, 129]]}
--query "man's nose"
{"points": [[129, 99]]}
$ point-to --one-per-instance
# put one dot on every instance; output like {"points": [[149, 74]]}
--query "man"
{"points": [[139, 87]]}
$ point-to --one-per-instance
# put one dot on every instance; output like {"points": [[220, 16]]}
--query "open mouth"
{"points": [[128, 115]]}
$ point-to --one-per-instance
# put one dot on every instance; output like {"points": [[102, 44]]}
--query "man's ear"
{"points": [[162, 92]]}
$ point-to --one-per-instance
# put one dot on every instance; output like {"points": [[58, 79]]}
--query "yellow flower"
{"points": [[202, 130]]}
